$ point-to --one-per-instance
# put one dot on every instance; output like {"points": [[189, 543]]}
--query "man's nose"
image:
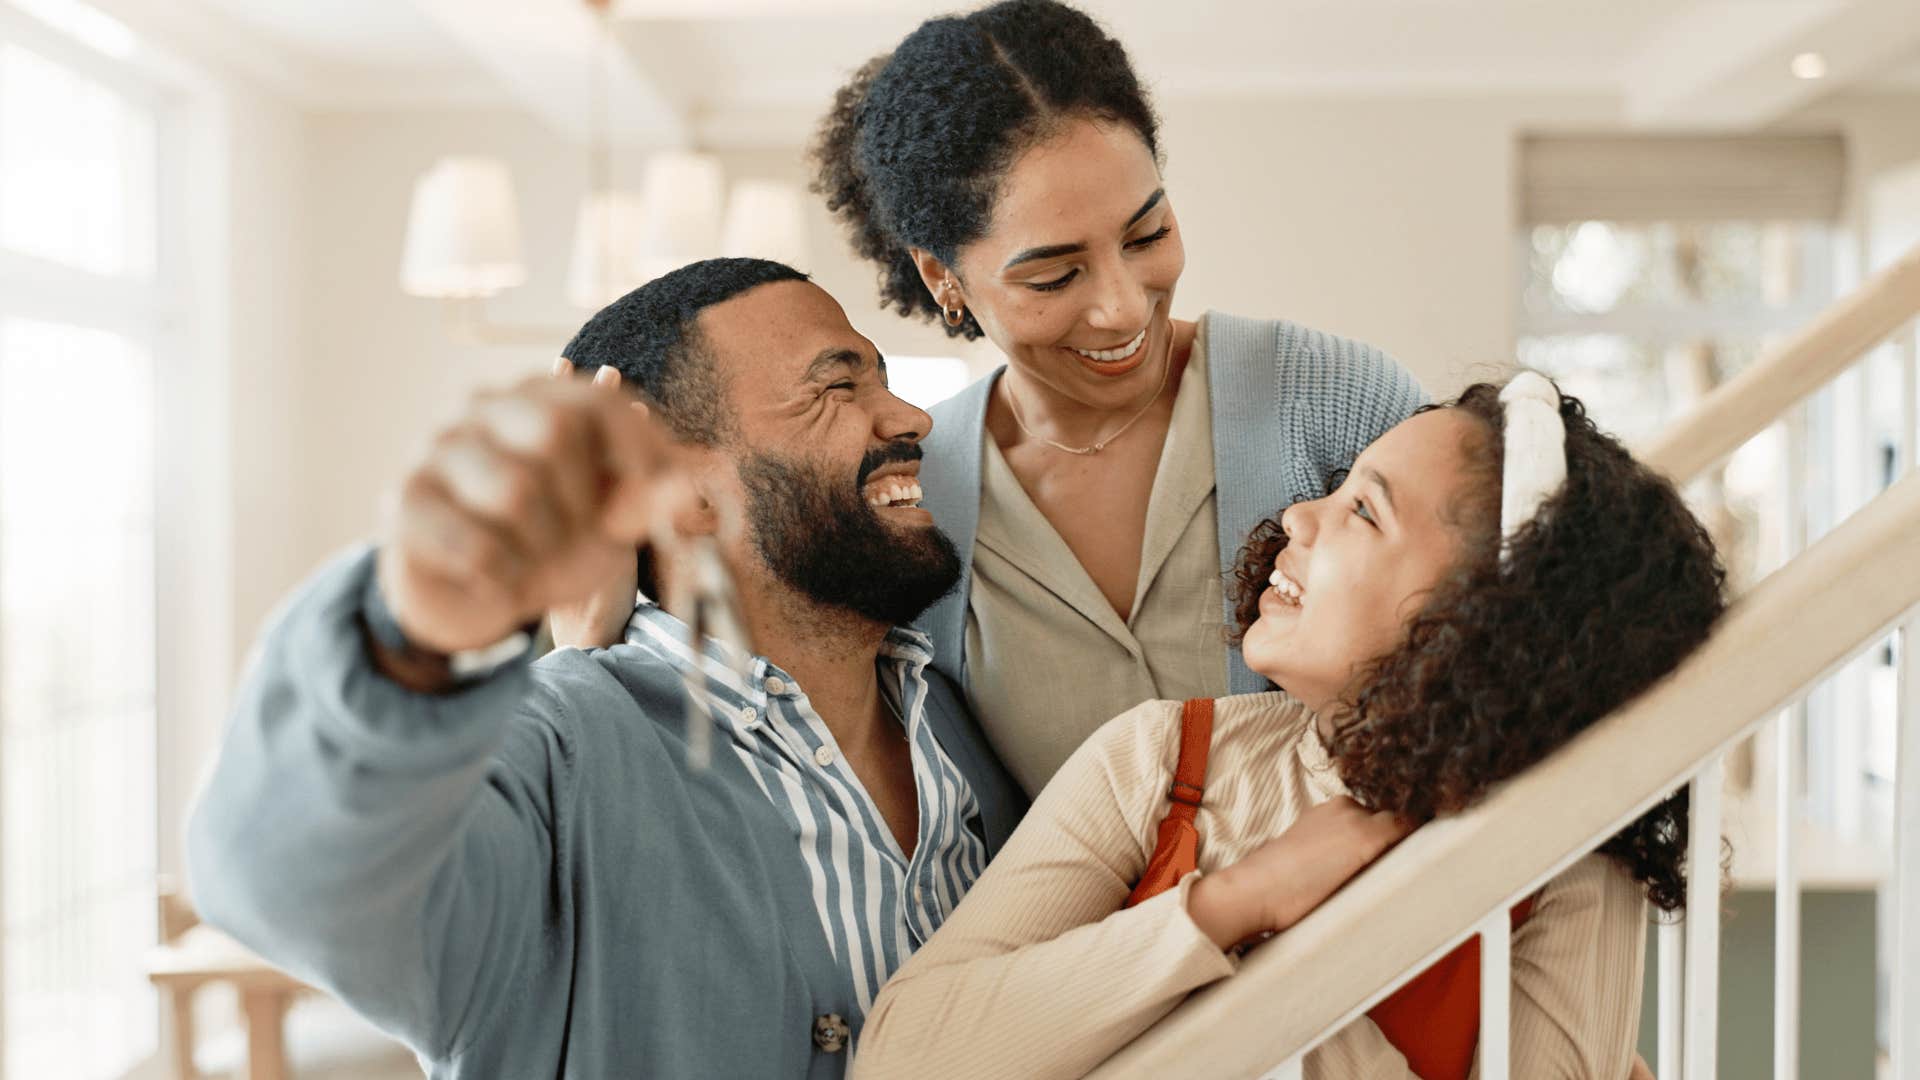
{"points": [[898, 419]]}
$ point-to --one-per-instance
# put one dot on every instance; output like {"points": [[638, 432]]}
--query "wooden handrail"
{"points": [[1744, 405], [1842, 593]]}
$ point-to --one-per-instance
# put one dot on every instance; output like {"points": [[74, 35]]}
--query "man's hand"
{"points": [[537, 497], [599, 618], [1286, 877]]}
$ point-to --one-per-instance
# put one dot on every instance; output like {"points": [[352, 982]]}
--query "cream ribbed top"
{"points": [[1040, 972]]}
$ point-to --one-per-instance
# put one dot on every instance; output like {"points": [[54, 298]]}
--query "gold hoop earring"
{"points": [[954, 315]]}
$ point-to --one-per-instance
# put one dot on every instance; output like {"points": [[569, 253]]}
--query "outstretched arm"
{"points": [[374, 824]]}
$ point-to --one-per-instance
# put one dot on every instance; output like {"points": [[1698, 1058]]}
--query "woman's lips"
{"points": [[1113, 369]]}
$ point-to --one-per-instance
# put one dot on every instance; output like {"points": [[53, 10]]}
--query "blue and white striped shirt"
{"points": [[875, 904]]}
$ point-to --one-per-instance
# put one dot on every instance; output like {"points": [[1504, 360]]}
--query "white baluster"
{"points": [[1703, 925], [1496, 995], [1906, 895], [1672, 954], [1790, 772], [1789, 766]]}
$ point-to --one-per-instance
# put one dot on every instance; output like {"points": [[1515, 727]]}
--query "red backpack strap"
{"points": [[1177, 852]]}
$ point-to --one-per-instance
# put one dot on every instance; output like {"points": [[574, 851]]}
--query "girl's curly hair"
{"points": [[913, 151], [1599, 597]]}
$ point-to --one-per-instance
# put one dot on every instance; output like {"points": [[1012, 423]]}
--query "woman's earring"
{"points": [[954, 315]]}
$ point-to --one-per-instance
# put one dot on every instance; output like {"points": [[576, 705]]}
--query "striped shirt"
{"points": [[876, 904]]}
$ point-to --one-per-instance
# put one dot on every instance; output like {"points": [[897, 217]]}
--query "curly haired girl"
{"points": [[1491, 577]]}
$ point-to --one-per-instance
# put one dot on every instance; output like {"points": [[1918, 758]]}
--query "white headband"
{"points": [[1536, 449]]}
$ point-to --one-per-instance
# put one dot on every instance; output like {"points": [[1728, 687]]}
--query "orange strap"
{"points": [[1177, 852], [1434, 1020]]}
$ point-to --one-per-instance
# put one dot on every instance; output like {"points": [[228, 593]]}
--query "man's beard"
{"points": [[817, 533]]}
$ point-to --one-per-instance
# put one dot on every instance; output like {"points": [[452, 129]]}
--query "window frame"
{"points": [[167, 314]]}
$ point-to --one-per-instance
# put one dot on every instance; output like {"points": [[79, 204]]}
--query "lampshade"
{"points": [[605, 236], [766, 219], [681, 219], [463, 235]]}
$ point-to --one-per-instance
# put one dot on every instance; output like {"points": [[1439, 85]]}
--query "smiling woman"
{"points": [[1002, 170]]}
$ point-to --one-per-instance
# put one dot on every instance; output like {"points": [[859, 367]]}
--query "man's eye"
{"points": [[843, 385]]}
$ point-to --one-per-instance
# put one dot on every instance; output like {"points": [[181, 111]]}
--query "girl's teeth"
{"points": [[1120, 353]]}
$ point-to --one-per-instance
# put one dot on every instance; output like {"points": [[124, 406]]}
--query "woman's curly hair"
{"points": [[913, 151], [1609, 587]]}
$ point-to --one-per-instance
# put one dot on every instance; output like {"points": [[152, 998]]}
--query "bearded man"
{"points": [[530, 868]]}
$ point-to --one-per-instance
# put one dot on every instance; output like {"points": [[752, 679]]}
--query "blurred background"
{"points": [[251, 251]]}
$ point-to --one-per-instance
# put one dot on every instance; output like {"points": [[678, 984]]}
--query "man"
{"points": [[521, 869]]}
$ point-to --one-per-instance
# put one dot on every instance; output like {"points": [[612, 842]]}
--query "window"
{"points": [[79, 307]]}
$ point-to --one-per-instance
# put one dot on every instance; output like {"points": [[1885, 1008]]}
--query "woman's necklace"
{"points": [[1013, 404]]}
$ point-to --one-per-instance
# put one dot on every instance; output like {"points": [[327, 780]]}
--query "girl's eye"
{"points": [[1151, 238], [1057, 283], [1360, 510]]}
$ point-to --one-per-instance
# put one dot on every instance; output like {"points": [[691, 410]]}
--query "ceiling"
{"points": [[689, 70]]}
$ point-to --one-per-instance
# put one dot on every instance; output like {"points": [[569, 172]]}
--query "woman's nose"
{"points": [[1120, 303]]}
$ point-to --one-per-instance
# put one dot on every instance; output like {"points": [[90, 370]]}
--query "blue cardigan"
{"points": [[524, 879], [1290, 406]]}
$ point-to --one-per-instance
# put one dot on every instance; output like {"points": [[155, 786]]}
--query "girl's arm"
{"points": [[1039, 972]]}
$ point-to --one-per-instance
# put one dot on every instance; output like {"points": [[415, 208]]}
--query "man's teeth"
{"points": [[1289, 589], [1120, 353], [894, 493]]}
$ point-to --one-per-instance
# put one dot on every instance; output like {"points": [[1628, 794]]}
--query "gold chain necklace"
{"points": [[1013, 405]]}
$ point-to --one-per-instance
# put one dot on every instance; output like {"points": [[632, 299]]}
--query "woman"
{"points": [[1001, 169], [1428, 641]]}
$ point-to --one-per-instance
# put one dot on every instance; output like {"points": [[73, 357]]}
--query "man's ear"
{"points": [[938, 278]]}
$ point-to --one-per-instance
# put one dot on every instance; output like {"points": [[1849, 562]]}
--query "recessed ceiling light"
{"points": [[1809, 65]]}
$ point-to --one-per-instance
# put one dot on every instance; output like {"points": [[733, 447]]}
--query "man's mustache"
{"points": [[901, 450]]}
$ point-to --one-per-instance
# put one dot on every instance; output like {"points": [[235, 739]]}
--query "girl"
{"points": [[1489, 579]]}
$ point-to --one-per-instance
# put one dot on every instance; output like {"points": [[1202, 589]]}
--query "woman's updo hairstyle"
{"points": [[1602, 594], [914, 148]]}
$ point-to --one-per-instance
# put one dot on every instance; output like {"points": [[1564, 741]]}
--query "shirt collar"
{"points": [[663, 634]]}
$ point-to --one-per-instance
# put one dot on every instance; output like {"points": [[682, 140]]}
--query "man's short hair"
{"points": [[652, 336]]}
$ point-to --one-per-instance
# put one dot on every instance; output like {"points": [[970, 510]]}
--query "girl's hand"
{"points": [[1286, 877]]}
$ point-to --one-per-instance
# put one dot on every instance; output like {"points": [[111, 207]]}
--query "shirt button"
{"points": [[830, 1032], [748, 714], [823, 757], [776, 685]]}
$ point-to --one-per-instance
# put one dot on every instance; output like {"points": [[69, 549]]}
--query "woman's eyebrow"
{"points": [[1054, 251]]}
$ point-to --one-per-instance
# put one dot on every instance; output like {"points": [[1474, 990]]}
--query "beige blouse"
{"points": [[1040, 973], [1049, 659]]}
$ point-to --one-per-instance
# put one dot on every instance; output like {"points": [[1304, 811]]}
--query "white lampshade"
{"points": [[681, 222], [463, 234], [766, 219], [605, 236]]}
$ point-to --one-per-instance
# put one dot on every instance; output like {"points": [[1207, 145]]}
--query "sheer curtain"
{"points": [[79, 304]]}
